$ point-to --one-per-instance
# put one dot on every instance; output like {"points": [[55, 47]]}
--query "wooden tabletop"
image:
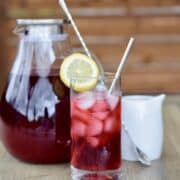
{"points": [[168, 168]]}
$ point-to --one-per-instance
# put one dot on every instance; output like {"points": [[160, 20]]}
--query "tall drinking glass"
{"points": [[96, 130]]}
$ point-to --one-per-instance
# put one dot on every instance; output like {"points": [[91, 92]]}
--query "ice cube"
{"points": [[101, 87], [100, 115], [86, 100], [100, 106], [93, 141], [78, 129], [112, 101], [111, 125], [83, 115], [94, 127]]}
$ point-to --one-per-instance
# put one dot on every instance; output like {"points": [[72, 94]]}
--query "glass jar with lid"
{"points": [[34, 107]]}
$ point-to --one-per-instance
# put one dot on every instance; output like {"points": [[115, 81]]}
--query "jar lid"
{"points": [[41, 21]]}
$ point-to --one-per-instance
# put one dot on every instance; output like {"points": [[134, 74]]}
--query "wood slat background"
{"points": [[154, 64]]}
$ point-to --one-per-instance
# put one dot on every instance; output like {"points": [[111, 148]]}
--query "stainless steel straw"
{"points": [[121, 65], [66, 10]]}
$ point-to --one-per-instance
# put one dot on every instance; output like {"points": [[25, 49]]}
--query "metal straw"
{"points": [[121, 65], [66, 10]]}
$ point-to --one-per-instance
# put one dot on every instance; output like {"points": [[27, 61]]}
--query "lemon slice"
{"points": [[80, 72]]}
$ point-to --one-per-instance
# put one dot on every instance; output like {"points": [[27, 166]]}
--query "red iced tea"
{"points": [[45, 139], [96, 131]]}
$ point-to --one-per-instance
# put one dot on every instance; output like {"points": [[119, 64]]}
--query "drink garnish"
{"points": [[80, 72]]}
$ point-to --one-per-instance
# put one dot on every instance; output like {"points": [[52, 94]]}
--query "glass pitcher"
{"points": [[34, 108]]}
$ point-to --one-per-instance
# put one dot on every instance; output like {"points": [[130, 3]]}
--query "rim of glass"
{"points": [[42, 21]]}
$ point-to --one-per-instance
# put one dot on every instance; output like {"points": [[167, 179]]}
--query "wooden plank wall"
{"points": [[154, 64]]}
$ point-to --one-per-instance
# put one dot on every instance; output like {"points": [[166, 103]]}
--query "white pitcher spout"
{"points": [[161, 97]]}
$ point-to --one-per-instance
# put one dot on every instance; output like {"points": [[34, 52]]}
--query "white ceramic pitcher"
{"points": [[144, 120]]}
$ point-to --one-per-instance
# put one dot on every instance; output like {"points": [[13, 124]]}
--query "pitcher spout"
{"points": [[161, 97]]}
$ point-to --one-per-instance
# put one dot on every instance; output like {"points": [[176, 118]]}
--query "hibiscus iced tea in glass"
{"points": [[96, 132]]}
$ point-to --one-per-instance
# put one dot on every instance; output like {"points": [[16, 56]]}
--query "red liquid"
{"points": [[95, 132], [45, 140]]}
